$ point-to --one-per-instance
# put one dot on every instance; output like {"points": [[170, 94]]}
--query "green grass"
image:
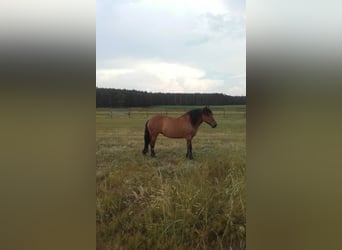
{"points": [[169, 202]]}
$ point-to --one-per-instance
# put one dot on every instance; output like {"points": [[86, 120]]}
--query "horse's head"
{"points": [[207, 116]]}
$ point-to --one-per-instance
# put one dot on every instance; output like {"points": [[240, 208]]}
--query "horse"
{"points": [[185, 126]]}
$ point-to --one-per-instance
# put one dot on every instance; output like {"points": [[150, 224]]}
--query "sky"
{"points": [[191, 46]]}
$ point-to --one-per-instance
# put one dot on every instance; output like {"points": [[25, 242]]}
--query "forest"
{"points": [[113, 98]]}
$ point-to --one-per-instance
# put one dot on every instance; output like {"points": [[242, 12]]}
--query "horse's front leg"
{"points": [[189, 149]]}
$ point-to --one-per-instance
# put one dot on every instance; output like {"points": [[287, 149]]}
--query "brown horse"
{"points": [[185, 126]]}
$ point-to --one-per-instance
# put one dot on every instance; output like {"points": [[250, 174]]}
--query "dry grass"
{"points": [[170, 202]]}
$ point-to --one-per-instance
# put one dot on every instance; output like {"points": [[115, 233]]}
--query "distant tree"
{"points": [[133, 98]]}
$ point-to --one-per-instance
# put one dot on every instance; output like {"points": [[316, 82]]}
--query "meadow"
{"points": [[170, 202]]}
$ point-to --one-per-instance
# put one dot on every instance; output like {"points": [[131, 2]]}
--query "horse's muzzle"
{"points": [[214, 126]]}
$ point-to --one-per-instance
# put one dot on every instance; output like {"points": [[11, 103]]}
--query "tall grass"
{"points": [[170, 202]]}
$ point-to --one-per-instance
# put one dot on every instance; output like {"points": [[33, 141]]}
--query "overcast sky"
{"points": [[171, 45]]}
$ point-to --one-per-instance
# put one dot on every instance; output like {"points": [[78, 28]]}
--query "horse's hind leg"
{"points": [[189, 149], [152, 143]]}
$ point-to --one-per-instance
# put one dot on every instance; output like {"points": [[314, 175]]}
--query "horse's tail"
{"points": [[147, 135], [147, 138]]}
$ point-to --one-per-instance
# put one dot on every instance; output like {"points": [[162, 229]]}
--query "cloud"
{"points": [[181, 7], [157, 76], [171, 45]]}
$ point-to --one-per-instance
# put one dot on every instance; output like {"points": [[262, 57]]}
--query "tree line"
{"points": [[133, 98]]}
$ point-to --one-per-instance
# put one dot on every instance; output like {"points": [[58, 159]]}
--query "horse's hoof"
{"points": [[144, 152]]}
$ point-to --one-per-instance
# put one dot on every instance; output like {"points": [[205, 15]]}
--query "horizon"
{"points": [[153, 92]]}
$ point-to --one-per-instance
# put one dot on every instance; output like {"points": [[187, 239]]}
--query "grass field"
{"points": [[169, 202]]}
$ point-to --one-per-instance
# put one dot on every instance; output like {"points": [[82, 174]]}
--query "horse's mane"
{"points": [[196, 114]]}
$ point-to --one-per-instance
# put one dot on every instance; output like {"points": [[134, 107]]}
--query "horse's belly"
{"points": [[176, 131], [173, 135]]}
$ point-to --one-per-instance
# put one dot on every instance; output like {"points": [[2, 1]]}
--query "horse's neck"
{"points": [[186, 116], [198, 123]]}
